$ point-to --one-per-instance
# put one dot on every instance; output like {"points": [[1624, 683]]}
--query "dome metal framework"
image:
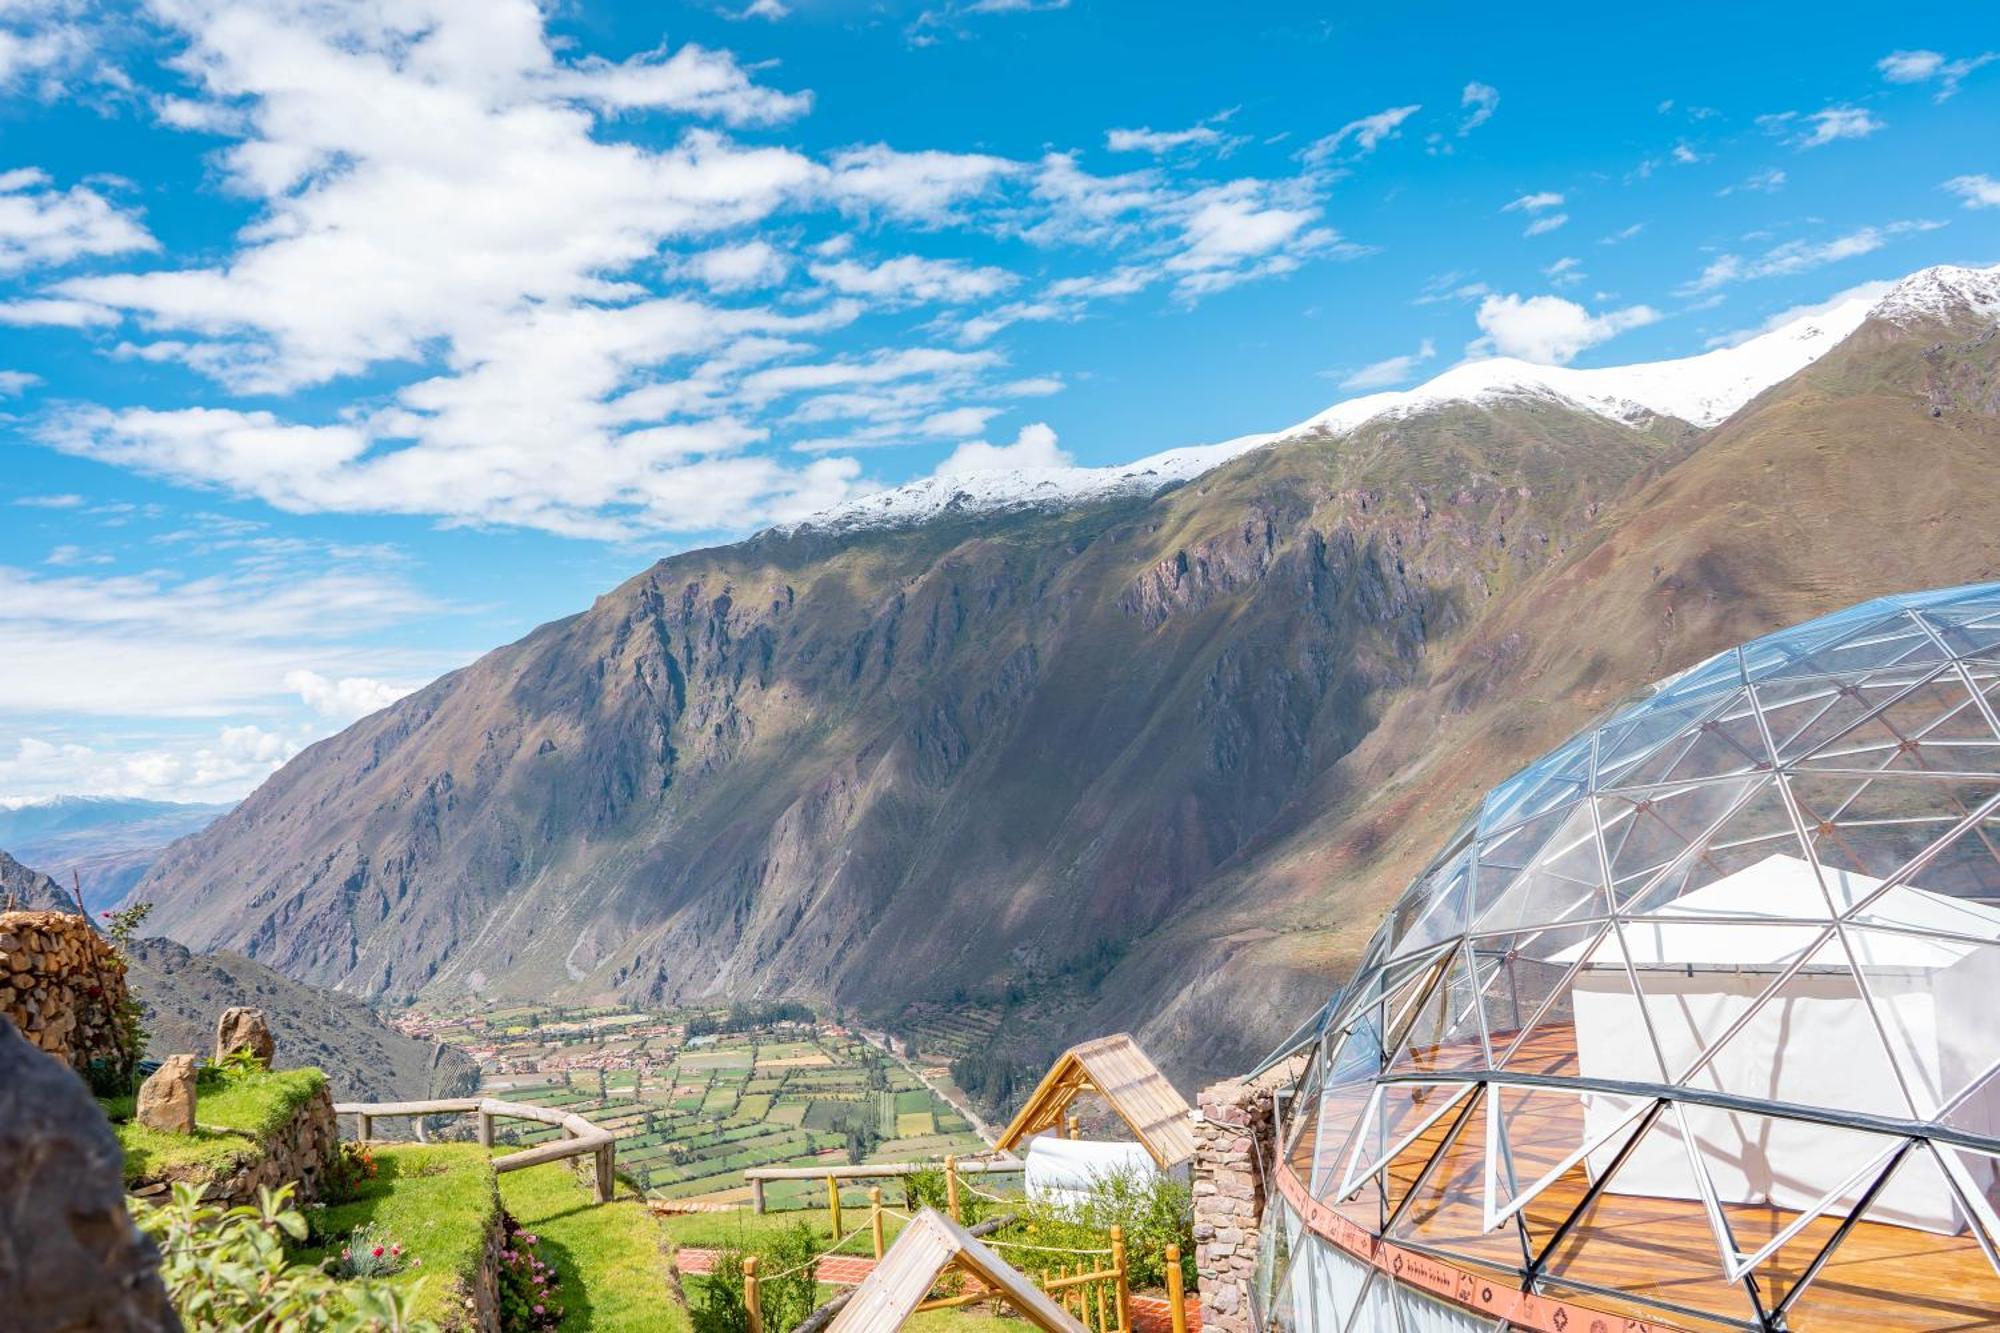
{"points": [[1695, 1024]]}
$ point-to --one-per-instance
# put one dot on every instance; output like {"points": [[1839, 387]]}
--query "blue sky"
{"points": [[339, 342]]}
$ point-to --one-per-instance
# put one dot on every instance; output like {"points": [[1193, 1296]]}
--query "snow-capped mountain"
{"points": [[1702, 390]]}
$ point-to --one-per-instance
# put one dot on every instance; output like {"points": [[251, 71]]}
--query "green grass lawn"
{"points": [[612, 1257], [231, 1115], [436, 1201]]}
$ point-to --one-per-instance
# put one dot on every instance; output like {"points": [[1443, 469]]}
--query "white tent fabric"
{"points": [[1064, 1170], [1702, 960]]}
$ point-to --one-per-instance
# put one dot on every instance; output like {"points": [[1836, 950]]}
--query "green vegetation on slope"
{"points": [[437, 1203], [232, 1113], [612, 1257]]}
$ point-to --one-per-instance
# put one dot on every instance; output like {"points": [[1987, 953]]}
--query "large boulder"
{"points": [[70, 1259], [243, 1029], [166, 1098]]}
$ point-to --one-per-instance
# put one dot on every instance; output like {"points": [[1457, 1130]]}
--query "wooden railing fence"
{"points": [[580, 1136]]}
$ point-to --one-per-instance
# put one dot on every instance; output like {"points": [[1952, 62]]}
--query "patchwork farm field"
{"points": [[692, 1113]]}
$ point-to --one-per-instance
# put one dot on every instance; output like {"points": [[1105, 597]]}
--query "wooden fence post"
{"points": [[607, 1176], [875, 1217], [486, 1129], [951, 1186], [757, 1196], [833, 1205], [362, 1126], [1118, 1263], [1176, 1296], [1075, 1128], [752, 1301]]}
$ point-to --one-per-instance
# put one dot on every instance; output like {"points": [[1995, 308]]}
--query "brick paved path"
{"points": [[1150, 1314]]}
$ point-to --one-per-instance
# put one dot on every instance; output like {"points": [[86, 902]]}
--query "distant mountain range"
{"points": [[105, 842], [1145, 747]]}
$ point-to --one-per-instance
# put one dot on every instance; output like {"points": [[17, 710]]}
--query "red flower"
{"points": [[377, 1251]]}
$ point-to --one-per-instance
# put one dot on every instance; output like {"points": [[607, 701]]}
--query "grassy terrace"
{"points": [[231, 1115], [436, 1202]]}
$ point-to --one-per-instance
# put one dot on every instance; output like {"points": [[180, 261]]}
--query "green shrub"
{"points": [[927, 1189], [1155, 1212], [787, 1296], [228, 1271]]}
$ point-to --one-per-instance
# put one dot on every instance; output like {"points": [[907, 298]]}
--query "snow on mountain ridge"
{"points": [[1702, 390]]}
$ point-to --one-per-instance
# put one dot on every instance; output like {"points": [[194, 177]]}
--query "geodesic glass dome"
{"points": [[1696, 1023]]}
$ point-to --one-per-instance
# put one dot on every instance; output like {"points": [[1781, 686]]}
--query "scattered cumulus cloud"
{"points": [[1565, 271], [345, 700], [1980, 191], [1932, 67], [1828, 125], [1033, 447], [1390, 370], [1364, 135], [1479, 102], [42, 225], [1800, 256], [1549, 330]]}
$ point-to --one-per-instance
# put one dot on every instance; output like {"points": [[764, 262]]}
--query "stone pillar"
{"points": [[1232, 1133]]}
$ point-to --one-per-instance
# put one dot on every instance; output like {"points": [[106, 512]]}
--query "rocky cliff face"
{"points": [[1205, 733]]}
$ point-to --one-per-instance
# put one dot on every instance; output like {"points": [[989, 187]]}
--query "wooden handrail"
{"points": [[581, 1136], [865, 1171]]}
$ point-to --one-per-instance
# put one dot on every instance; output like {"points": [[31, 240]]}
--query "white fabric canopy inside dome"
{"points": [[1064, 1170], [1703, 960]]}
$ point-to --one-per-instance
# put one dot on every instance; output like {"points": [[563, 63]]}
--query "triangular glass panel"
{"points": [[1655, 735], [1657, 839], [1610, 1029], [1887, 1275], [1526, 987], [1559, 777], [1649, 1234], [1760, 1023], [1968, 631], [1864, 831], [1447, 1211], [1343, 1101], [1276, 1256], [1434, 912], [1935, 726], [1403, 1127], [1446, 1032], [1725, 742], [1552, 1142], [1889, 641], [1747, 825], [1552, 876]]}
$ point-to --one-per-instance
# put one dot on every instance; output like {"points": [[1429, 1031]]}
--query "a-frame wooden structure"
{"points": [[1117, 1070], [930, 1244]]}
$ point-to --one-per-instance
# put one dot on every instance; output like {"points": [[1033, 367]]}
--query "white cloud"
{"points": [[1548, 329], [1924, 66], [1147, 140], [921, 187], [911, 279], [743, 267], [1034, 447], [1800, 256], [1824, 126], [1868, 291], [1479, 101], [1537, 202], [207, 765], [346, 699], [1621, 236], [1390, 370], [13, 382], [41, 225], [51, 501], [1980, 191], [1366, 134], [45, 313], [1565, 271], [69, 555], [1546, 223]]}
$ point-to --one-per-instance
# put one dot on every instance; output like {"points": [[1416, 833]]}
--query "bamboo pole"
{"points": [[875, 1217], [951, 1186], [1124, 1293], [1176, 1297], [833, 1205], [752, 1299]]}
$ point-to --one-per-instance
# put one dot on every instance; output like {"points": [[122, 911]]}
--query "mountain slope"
{"points": [[1178, 746], [366, 1059], [31, 890]]}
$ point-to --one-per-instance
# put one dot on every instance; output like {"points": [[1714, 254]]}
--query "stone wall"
{"points": [[301, 1150], [63, 985], [1232, 1133]]}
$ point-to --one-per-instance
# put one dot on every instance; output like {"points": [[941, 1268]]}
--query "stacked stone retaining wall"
{"points": [[300, 1151], [63, 985], [1232, 1135]]}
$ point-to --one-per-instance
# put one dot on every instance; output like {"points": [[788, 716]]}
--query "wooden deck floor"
{"points": [[1883, 1277]]}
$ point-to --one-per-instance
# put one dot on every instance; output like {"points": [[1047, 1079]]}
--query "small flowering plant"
{"points": [[530, 1289], [369, 1251]]}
